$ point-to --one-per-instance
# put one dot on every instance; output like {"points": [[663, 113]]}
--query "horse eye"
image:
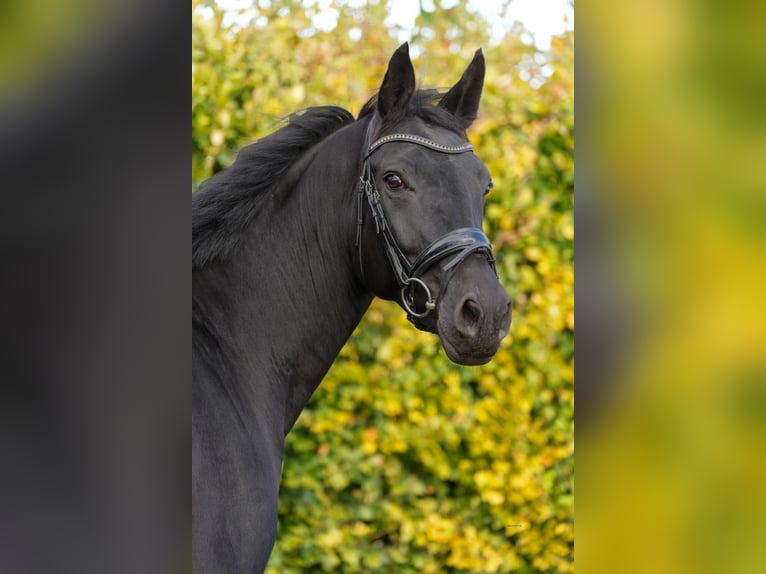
{"points": [[490, 185], [393, 181]]}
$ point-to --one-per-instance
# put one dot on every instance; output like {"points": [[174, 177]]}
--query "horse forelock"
{"points": [[424, 104], [227, 203]]}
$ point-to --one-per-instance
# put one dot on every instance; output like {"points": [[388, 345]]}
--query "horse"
{"points": [[290, 245]]}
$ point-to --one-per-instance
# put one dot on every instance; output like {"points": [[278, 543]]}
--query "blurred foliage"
{"points": [[38, 36], [403, 461], [672, 468]]}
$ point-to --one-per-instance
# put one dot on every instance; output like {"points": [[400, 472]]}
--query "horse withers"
{"points": [[289, 247]]}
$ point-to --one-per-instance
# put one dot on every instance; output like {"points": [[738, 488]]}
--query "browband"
{"points": [[425, 142]]}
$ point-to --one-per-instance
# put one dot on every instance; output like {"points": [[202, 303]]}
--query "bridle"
{"points": [[457, 244]]}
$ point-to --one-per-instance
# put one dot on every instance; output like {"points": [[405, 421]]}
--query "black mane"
{"points": [[226, 204]]}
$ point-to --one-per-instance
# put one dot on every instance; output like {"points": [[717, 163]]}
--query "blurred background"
{"points": [[671, 380], [403, 461]]}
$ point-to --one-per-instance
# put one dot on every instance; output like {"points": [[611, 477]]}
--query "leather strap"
{"points": [[419, 140]]}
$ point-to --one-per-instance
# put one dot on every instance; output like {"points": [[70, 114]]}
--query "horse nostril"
{"points": [[505, 321], [471, 312], [469, 315]]}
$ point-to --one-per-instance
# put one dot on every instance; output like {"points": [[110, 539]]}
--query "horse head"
{"points": [[424, 190]]}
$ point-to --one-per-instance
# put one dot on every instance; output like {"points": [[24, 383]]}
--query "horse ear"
{"points": [[462, 100], [398, 86]]}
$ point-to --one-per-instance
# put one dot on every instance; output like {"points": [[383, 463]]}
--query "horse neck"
{"points": [[292, 293]]}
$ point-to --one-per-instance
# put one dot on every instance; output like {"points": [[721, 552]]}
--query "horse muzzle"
{"points": [[474, 314]]}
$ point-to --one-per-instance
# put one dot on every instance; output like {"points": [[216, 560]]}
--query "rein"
{"points": [[457, 244]]}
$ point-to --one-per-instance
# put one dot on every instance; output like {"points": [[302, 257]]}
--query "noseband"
{"points": [[457, 244]]}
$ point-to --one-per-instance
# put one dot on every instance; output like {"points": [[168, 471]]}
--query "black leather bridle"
{"points": [[457, 244]]}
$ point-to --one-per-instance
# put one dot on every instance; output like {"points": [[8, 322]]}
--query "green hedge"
{"points": [[403, 461]]}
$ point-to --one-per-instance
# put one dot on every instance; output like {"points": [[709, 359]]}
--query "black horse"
{"points": [[289, 247]]}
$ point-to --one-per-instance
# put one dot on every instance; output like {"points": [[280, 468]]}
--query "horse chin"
{"points": [[466, 351], [464, 358]]}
